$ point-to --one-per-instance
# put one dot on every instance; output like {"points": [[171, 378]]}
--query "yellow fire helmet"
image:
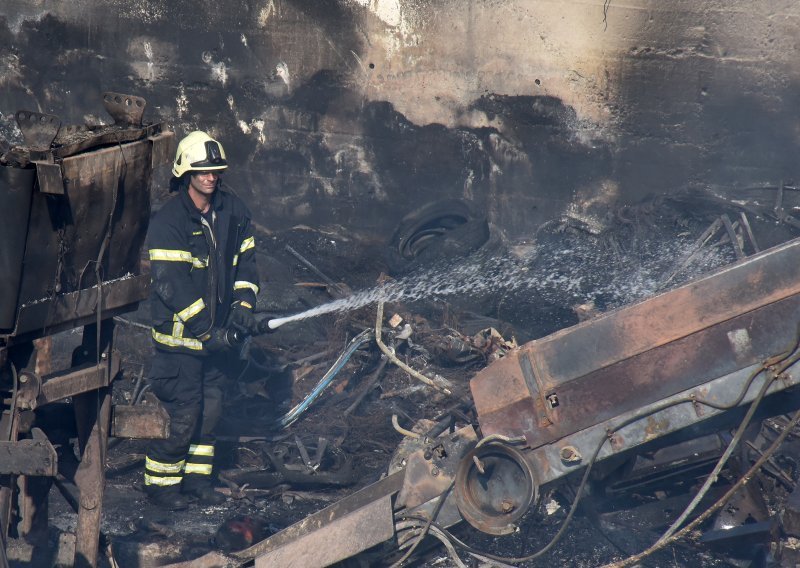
{"points": [[198, 152]]}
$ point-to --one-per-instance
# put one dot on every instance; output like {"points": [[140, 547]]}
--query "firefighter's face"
{"points": [[204, 182]]}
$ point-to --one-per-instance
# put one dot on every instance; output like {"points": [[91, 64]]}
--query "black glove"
{"points": [[217, 341], [243, 318]]}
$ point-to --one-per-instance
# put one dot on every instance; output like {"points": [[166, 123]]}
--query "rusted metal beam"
{"points": [[342, 538], [66, 311], [75, 382], [310, 526], [92, 415]]}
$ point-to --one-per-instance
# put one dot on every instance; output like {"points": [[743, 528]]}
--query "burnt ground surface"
{"points": [[579, 266]]}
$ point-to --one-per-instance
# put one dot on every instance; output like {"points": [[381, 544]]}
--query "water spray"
{"points": [[275, 323], [573, 273]]}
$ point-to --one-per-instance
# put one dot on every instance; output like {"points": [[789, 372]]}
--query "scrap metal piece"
{"points": [[625, 359], [124, 109], [730, 229], [49, 177], [340, 291], [28, 457], [749, 231], [141, 421], [342, 538], [359, 522], [741, 540], [38, 130], [432, 465]]}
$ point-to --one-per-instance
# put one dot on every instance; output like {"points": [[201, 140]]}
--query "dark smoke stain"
{"points": [[63, 69], [546, 128], [420, 161], [690, 113], [322, 93]]}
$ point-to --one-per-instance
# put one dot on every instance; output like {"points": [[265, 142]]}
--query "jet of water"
{"points": [[565, 273]]}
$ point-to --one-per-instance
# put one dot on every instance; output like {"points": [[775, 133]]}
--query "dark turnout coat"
{"points": [[199, 266]]}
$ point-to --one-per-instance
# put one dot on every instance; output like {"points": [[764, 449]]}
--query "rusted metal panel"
{"points": [[342, 538], [101, 218], [139, 421], [315, 526], [16, 191], [28, 457], [619, 361]]}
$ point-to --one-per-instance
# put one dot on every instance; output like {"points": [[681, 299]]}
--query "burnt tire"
{"points": [[436, 232]]}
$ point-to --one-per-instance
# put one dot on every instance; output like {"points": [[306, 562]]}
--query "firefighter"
{"points": [[204, 284]]}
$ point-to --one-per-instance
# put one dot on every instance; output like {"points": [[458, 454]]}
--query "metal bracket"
{"points": [[49, 176], [125, 109], [38, 130], [30, 385]]}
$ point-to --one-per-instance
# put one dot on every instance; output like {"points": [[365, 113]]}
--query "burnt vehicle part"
{"points": [[686, 362], [70, 258]]}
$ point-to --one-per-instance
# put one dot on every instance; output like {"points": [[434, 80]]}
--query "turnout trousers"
{"points": [[191, 389]]}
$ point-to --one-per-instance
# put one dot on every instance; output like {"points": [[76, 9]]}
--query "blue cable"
{"points": [[290, 417]]}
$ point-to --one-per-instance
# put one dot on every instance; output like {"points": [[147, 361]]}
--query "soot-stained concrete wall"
{"points": [[352, 112]]}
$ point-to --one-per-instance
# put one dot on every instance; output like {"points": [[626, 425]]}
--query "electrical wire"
{"points": [[744, 480], [436, 533], [14, 392], [428, 523], [712, 477]]}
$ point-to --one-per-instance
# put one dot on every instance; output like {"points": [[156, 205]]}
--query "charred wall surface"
{"points": [[352, 112]]}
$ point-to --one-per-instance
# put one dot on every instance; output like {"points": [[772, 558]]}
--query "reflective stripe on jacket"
{"points": [[198, 267]]}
